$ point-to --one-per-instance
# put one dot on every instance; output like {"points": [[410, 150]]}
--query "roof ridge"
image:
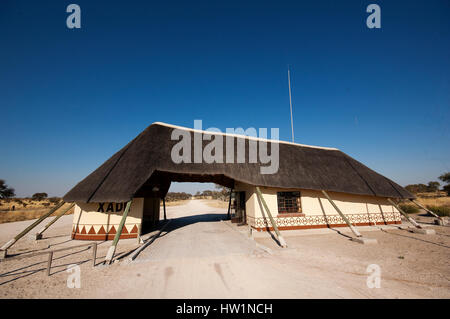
{"points": [[245, 136]]}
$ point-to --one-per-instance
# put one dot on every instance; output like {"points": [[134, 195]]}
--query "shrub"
{"points": [[409, 209], [446, 188], [173, 196], [54, 200], [39, 196], [440, 210]]}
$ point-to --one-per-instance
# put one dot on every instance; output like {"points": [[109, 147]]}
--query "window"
{"points": [[289, 202]]}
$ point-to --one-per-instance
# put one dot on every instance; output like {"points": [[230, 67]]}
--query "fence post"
{"points": [[49, 263], [94, 253]]}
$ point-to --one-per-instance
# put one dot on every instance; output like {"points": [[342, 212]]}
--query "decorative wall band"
{"points": [[319, 226], [88, 232], [319, 221]]}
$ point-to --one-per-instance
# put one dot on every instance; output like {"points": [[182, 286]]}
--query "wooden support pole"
{"points": [[412, 221], [352, 228], [426, 209], [229, 205], [62, 213], [164, 206], [112, 249], [26, 230], [272, 221]]}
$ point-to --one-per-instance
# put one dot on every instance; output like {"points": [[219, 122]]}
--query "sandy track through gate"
{"points": [[201, 257], [196, 231]]}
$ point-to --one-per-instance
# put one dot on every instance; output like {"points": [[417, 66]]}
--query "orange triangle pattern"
{"points": [[135, 229], [101, 231]]}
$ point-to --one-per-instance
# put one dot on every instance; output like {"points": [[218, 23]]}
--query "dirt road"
{"points": [[200, 256]]}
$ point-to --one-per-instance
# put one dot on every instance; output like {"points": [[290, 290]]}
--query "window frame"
{"points": [[289, 210]]}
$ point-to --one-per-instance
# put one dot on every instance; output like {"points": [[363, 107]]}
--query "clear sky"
{"points": [[70, 98]]}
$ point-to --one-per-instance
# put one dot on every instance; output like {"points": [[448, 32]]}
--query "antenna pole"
{"points": [[290, 103]]}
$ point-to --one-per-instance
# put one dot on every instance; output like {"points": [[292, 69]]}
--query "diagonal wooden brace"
{"points": [[426, 209], [29, 228], [352, 228], [272, 221], [62, 213], [412, 221], [112, 249]]}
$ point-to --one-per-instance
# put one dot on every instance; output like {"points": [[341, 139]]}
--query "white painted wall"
{"points": [[314, 202], [87, 214]]}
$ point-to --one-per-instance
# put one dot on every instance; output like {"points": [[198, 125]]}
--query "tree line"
{"points": [[432, 186], [222, 193]]}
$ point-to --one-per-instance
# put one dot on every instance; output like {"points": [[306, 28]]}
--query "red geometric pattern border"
{"points": [[321, 221], [87, 232]]}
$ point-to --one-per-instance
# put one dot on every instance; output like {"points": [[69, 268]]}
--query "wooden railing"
{"points": [[51, 252]]}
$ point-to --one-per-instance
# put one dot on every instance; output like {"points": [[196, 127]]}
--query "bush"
{"points": [[409, 209], [54, 200], [440, 210], [446, 188], [173, 196], [39, 196]]}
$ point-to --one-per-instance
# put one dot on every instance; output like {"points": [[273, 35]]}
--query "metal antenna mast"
{"points": [[290, 103]]}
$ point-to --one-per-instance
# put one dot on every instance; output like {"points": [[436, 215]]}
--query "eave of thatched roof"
{"points": [[124, 175]]}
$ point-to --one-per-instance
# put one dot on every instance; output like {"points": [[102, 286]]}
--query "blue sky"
{"points": [[70, 98]]}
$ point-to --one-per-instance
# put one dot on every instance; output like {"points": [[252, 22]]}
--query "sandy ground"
{"points": [[199, 256]]}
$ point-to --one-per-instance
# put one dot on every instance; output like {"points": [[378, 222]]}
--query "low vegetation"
{"points": [[222, 193], [442, 211], [173, 196], [35, 211], [409, 209]]}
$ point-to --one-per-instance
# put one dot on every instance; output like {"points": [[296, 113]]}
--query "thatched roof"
{"points": [[146, 161]]}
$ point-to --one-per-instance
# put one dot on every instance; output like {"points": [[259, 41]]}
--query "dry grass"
{"points": [[31, 210], [438, 201], [215, 203], [175, 203]]}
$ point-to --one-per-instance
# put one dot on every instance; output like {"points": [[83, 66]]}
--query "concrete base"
{"points": [[365, 241], [8, 244], [110, 254], [2, 254], [441, 222], [282, 242], [422, 231]]}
